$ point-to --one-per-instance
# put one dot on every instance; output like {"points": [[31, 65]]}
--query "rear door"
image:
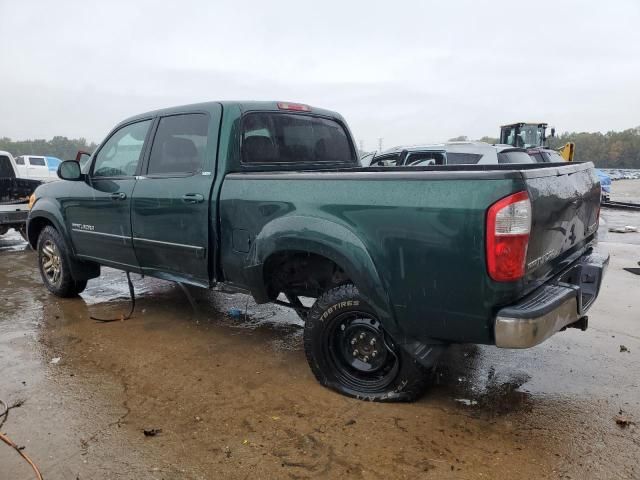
{"points": [[37, 167], [97, 211], [172, 201]]}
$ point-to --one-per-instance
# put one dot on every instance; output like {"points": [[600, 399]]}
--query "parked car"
{"points": [[14, 196], [38, 167], [452, 153], [605, 185], [270, 198]]}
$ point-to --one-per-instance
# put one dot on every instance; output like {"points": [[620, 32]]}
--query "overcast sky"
{"points": [[407, 71]]}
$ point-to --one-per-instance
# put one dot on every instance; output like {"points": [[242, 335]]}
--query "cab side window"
{"points": [[179, 145], [120, 155], [20, 161]]}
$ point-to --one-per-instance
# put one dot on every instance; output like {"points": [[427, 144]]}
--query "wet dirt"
{"points": [[232, 396]]}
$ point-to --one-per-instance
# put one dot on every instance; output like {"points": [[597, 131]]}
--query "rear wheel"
{"points": [[349, 351], [53, 261]]}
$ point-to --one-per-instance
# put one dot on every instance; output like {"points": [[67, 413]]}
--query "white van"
{"points": [[37, 167]]}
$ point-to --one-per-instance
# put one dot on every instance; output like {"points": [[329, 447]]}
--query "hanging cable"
{"points": [[122, 317]]}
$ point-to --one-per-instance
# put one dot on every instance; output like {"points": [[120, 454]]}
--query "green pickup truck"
{"points": [[270, 198]]}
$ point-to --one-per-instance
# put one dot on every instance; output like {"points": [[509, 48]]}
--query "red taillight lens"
{"points": [[298, 107], [508, 228]]}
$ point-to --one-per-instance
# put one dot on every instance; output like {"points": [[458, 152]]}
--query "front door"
{"points": [[98, 211], [171, 200]]}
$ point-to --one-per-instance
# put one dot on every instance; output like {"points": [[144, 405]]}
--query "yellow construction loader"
{"points": [[531, 135]]}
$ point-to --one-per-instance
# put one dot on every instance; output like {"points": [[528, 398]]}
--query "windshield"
{"points": [[525, 136]]}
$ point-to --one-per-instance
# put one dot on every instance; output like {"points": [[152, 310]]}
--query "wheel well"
{"points": [[301, 273], [36, 225]]}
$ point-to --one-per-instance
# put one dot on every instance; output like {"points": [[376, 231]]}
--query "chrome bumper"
{"points": [[552, 307]]}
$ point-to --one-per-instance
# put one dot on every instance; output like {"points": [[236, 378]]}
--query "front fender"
{"points": [[325, 238], [48, 209]]}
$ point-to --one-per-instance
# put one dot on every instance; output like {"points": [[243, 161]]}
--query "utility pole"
{"points": [[380, 144]]}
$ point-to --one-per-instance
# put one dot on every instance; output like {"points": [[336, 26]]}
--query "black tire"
{"points": [[53, 262], [349, 352]]}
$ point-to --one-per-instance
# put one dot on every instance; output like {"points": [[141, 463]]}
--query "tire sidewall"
{"points": [[67, 286], [322, 315]]}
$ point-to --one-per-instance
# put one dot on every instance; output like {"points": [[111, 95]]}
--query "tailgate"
{"points": [[565, 202]]}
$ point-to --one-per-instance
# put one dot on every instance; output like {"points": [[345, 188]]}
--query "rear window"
{"points": [[456, 158], [6, 169], [289, 138], [514, 157], [36, 162], [555, 157], [537, 157]]}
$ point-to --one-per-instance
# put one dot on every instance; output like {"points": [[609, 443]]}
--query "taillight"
{"points": [[298, 107], [508, 228]]}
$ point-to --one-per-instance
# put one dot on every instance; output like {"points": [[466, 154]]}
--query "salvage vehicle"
{"points": [[451, 153], [270, 198], [14, 196]]}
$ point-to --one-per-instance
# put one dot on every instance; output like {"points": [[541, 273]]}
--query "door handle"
{"points": [[192, 198], [118, 196]]}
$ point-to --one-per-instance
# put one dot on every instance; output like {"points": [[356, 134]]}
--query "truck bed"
{"points": [[423, 229], [16, 189]]}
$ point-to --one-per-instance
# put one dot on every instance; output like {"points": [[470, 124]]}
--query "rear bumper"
{"points": [[554, 306], [14, 215]]}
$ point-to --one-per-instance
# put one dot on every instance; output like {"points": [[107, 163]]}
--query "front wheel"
{"points": [[349, 351], [53, 261]]}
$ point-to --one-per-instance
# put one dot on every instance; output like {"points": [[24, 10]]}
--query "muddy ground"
{"points": [[234, 398]]}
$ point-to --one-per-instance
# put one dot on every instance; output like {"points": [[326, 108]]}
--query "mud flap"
{"points": [[426, 354]]}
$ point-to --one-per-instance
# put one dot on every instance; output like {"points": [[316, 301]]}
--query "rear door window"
{"points": [[514, 157], [458, 158], [36, 161], [424, 159], [179, 145], [385, 160], [271, 138]]}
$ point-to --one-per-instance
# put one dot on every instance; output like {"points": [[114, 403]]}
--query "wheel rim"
{"points": [[51, 262], [362, 356]]}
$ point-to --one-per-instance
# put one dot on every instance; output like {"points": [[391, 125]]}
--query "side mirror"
{"points": [[69, 170], [553, 132]]}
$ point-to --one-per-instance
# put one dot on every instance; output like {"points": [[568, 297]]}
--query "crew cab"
{"points": [[14, 196], [270, 198]]}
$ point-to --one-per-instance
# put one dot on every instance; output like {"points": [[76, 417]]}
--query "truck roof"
{"points": [[449, 146], [243, 105]]}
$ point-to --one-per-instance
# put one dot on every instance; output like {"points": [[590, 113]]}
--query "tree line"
{"points": [[62, 147], [606, 150]]}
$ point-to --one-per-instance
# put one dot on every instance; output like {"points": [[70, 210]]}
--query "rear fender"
{"points": [[327, 239]]}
